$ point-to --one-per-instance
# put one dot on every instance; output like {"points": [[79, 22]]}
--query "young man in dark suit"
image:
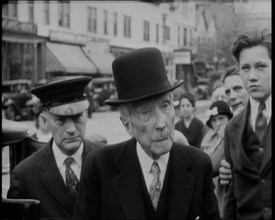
{"points": [[148, 176], [247, 139], [51, 174]]}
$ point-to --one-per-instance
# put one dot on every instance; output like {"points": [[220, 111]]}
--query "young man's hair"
{"points": [[252, 39], [232, 70]]}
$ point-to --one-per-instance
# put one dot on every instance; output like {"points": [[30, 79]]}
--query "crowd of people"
{"points": [[167, 169]]}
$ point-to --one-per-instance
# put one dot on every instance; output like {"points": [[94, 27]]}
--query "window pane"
{"points": [[105, 22], [31, 12], [46, 12], [115, 24]]}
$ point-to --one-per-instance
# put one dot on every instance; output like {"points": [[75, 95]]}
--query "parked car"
{"points": [[102, 88], [16, 97]]}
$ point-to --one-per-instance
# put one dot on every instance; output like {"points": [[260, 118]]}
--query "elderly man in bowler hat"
{"points": [[51, 174], [148, 176]]}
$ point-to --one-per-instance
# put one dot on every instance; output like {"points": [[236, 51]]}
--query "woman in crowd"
{"points": [[191, 127], [219, 114]]}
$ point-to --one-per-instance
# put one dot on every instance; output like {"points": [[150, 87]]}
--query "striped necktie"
{"points": [[155, 187], [261, 122], [71, 178]]}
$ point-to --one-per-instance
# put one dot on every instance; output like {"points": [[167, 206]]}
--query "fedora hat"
{"points": [[140, 74], [64, 95]]}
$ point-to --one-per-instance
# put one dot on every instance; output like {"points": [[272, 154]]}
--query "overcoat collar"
{"points": [[51, 178], [129, 186], [238, 130]]}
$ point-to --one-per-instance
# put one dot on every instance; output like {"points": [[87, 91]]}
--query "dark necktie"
{"points": [[155, 187], [261, 122], [71, 178]]}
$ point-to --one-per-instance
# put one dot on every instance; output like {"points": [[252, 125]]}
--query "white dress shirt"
{"points": [[146, 164], [60, 157], [254, 111]]}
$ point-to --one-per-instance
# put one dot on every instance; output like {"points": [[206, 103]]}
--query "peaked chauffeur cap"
{"points": [[140, 74], [64, 95]]}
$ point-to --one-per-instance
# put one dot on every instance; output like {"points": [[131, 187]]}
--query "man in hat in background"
{"points": [[51, 174], [148, 176]]}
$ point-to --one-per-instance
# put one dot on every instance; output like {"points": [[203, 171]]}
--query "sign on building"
{"points": [[182, 57]]}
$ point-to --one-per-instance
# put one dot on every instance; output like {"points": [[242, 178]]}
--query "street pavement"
{"points": [[105, 124]]}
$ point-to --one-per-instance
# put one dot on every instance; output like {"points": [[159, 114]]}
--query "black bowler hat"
{"points": [[64, 95], [140, 74], [218, 107]]}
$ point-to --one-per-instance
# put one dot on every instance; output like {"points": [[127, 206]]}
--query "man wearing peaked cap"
{"points": [[149, 176], [51, 174]]}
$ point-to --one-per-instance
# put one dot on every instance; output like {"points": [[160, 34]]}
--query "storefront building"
{"points": [[22, 51]]}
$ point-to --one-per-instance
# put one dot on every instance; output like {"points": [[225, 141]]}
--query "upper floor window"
{"points": [[105, 21], [157, 33], [146, 30], [46, 12], [115, 24], [166, 33], [184, 36], [64, 14], [92, 19], [127, 26], [30, 12], [179, 34], [10, 9], [190, 37]]}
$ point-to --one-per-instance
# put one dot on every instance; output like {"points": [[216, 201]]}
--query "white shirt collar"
{"points": [[146, 161], [254, 105], [60, 156]]}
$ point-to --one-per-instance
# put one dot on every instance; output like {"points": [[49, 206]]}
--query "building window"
{"points": [[10, 9], [31, 12], [115, 24], [157, 33], [105, 22], [184, 36], [146, 30], [46, 12], [64, 14], [191, 37], [92, 17], [127, 26], [179, 34], [166, 33]]}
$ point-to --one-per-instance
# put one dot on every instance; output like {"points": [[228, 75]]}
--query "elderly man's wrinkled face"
{"points": [[151, 122], [68, 131]]}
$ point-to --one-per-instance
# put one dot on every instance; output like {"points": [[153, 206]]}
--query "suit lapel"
{"points": [[128, 182], [238, 130], [267, 146], [180, 184], [52, 179]]}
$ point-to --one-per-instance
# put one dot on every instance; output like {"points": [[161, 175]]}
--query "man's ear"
{"points": [[127, 125], [44, 119]]}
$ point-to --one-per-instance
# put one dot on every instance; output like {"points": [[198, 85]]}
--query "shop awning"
{"points": [[68, 58], [103, 61]]}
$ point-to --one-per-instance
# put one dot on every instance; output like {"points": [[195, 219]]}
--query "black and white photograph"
{"points": [[136, 110]]}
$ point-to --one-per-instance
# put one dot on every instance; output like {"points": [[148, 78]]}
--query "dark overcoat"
{"points": [[38, 177], [249, 193], [111, 185]]}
